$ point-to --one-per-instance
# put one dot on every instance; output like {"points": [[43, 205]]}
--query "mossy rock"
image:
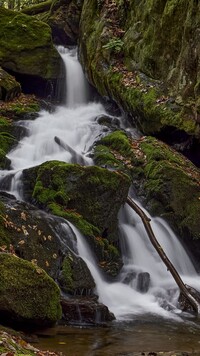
{"points": [[26, 46], [89, 197], [40, 238], [89, 191], [165, 180], [28, 295], [7, 140], [64, 20], [75, 277], [9, 87], [22, 107], [127, 57]]}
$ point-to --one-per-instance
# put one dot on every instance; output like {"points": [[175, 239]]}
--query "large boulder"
{"points": [[90, 197], [28, 295], [27, 48], [128, 57], [45, 240]]}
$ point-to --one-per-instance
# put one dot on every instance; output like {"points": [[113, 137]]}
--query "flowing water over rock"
{"points": [[144, 288]]}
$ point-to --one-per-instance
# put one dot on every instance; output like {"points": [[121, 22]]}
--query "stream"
{"points": [[147, 316]]}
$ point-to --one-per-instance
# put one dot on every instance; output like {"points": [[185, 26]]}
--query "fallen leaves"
{"points": [[16, 345]]}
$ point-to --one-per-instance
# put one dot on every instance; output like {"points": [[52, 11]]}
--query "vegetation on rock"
{"points": [[26, 46], [168, 181], [28, 295], [89, 197], [126, 56]]}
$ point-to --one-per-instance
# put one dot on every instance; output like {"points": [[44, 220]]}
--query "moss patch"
{"points": [[28, 294], [26, 46]]}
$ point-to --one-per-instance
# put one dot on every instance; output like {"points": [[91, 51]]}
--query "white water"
{"points": [[76, 125]]}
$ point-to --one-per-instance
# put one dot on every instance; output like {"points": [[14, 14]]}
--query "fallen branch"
{"points": [[76, 157], [183, 288]]}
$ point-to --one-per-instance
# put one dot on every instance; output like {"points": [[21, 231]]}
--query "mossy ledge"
{"points": [[165, 180]]}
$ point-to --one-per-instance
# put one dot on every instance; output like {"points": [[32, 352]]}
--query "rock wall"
{"points": [[145, 55]]}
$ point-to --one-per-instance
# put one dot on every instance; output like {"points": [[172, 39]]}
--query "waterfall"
{"points": [[75, 81], [123, 299], [74, 125]]}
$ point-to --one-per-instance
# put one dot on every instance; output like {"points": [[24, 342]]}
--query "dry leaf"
{"points": [[23, 215], [21, 242]]}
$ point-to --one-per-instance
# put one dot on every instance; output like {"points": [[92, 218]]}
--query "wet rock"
{"points": [[111, 122], [129, 277], [88, 311], [183, 303], [143, 282], [48, 242], [75, 277]]}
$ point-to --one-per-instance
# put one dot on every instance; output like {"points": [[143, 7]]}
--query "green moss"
{"points": [[26, 45], [67, 271], [104, 157], [166, 67], [6, 141], [27, 293], [75, 218], [171, 185], [119, 141]]}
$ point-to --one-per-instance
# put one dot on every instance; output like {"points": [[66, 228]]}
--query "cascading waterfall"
{"points": [[76, 126], [123, 299]]}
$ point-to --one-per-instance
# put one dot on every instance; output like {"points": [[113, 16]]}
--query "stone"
{"points": [[85, 311], [143, 282], [28, 296], [27, 50], [9, 87]]}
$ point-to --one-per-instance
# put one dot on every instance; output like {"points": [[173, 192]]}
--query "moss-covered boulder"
{"points": [[89, 197], [26, 46], [27, 294], [128, 57], [9, 87], [45, 240], [166, 181]]}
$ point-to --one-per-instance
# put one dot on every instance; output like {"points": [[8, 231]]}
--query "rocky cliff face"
{"points": [[145, 56]]}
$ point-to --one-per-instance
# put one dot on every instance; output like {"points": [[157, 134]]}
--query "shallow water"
{"points": [[124, 338]]}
